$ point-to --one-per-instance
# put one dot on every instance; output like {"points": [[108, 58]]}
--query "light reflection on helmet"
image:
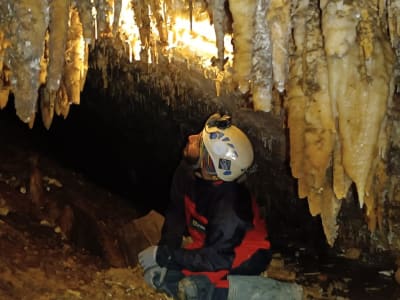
{"points": [[228, 147]]}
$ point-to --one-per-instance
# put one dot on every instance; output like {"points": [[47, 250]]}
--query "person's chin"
{"points": [[190, 160]]}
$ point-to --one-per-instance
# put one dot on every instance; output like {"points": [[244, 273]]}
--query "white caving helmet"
{"points": [[226, 151]]}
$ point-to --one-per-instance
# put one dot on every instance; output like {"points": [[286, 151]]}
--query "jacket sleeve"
{"points": [[175, 224], [225, 231]]}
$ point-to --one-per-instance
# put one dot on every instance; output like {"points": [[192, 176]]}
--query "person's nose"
{"points": [[192, 138]]}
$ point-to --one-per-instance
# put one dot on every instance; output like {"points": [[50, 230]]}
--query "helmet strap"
{"points": [[206, 163]]}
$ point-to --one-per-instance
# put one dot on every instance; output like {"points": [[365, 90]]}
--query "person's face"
{"points": [[191, 152]]}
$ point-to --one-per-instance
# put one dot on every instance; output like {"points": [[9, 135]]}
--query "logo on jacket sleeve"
{"points": [[196, 224]]}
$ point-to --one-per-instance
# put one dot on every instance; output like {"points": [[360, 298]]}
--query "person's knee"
{"points": [[197, 287]]}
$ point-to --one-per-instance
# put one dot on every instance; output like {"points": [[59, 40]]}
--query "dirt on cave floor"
{"points": [[38, 260]]}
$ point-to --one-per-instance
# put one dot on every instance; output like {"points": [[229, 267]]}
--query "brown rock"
{"points": [[397, 275]]}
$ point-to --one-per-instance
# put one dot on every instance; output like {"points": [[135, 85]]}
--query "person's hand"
{"points": [[147, 258], [154, 276]]}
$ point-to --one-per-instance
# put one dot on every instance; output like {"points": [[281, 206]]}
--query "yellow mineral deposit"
{"points": [[340, 86]]}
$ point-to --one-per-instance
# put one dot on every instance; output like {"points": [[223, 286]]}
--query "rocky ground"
{"points": [[55, 228], [37, 259]]}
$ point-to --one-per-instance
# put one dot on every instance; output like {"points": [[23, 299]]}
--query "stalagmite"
{"points": [[74, 56], [243, 31], [28, 28], [262, 60], [58, 27], [280, 26]]}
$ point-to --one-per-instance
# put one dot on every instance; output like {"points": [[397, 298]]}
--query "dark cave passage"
{"points": [[135, 162], [135, 159]]}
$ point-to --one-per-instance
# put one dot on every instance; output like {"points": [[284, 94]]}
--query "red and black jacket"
{"points": [[222, 220]]}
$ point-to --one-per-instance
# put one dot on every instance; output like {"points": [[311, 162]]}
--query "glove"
{"points": [[147, 258], [154, 276]]}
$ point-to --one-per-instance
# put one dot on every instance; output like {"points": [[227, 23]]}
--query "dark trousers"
{"points": [[205, 289]]}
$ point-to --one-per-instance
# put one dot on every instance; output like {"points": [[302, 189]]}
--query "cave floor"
{"points": [[38, 260]]}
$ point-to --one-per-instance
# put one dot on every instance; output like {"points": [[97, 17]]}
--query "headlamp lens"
{"points": [[221, 122]]}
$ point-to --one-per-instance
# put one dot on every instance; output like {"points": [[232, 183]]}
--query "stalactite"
{"points": [[74, 58], [361, 109], [243, 31], [58, 26], [219, 20], [296, 99], [104, 8], [262, 60], [117, 14], [4, 72], [394, 22], [27, 32], [62, 104], [85, 15], [280, 26], [156, 11], [320, 125], [101, 64], [142, 20], [47, 109], [341, 181], [394, 33], [330, 207], [44, 60]]}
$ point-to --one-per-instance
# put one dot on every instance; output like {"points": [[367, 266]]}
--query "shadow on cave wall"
{"points": [[135, 162]]}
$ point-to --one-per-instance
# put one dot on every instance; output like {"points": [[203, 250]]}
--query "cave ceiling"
{"points": [[333, 67]]}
